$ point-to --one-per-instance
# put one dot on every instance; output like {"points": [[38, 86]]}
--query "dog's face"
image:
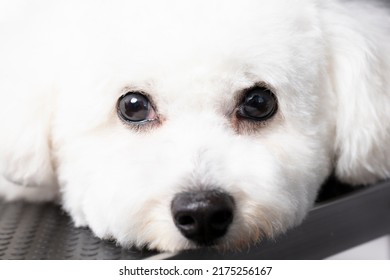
{"points": [[196, 128], [180, 124]]}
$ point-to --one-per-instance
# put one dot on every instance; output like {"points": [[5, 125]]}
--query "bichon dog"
{"points": [[178, 124]]}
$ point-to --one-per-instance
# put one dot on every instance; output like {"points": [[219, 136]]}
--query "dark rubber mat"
{"points": [[44, 231]]}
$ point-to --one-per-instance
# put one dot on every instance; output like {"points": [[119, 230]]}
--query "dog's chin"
{"points": [[222, 245], [240, 237]]}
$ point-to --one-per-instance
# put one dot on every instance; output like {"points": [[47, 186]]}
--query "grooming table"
{"points": [[343, 218]]}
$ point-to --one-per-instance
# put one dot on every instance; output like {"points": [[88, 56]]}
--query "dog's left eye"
{"points": [[135, 107], [258, 104]]}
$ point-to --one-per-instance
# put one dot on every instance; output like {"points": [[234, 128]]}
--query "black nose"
{"points": [[203, 216]]}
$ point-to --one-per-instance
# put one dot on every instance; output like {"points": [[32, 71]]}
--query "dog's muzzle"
{"points": [[203, 216]]}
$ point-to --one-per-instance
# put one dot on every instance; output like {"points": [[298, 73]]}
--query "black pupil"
{"points": [[259, 104], [134, 107]]}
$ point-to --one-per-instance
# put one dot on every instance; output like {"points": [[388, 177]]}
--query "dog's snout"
{"points": [[203, 216]]}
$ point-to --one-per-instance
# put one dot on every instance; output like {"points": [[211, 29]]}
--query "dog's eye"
{"points": [[135, 107], [258, 104]]}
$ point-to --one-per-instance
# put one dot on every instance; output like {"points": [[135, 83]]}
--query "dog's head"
{"points": [[181, 125]]}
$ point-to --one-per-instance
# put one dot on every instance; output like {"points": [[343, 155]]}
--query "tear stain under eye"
{"points": [[248, 126]]}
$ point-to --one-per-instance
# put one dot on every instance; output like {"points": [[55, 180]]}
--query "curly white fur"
{"points": [[64, 64]]}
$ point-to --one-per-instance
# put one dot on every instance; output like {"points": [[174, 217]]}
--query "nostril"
{"points": [[185, 220]]}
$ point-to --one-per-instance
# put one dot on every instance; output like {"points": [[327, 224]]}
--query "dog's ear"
{"points": [[25, 144], [359, 69]]}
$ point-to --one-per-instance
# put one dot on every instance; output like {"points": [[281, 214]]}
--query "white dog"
{"points": [[177, 124]]}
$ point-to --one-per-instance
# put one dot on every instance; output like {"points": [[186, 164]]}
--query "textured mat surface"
{"points": [[43, 231]]}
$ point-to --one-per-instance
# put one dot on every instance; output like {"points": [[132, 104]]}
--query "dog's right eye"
{"points": [[135, 107]]}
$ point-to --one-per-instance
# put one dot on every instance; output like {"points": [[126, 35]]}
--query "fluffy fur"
{"points": [[64, 64]]}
